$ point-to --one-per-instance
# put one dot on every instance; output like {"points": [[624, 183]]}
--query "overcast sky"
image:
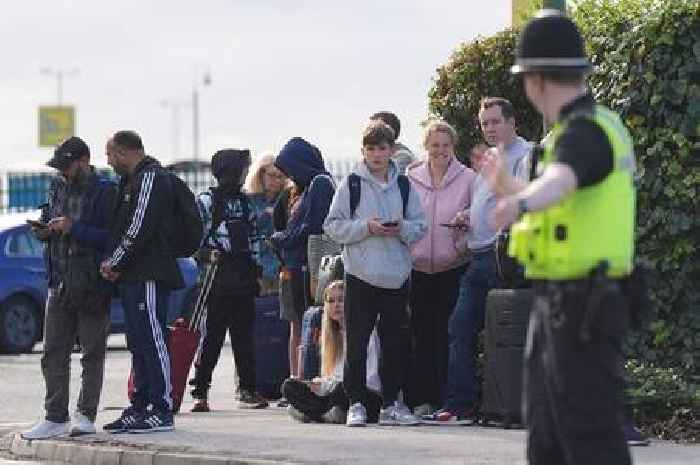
{"points": [[279, 68]]}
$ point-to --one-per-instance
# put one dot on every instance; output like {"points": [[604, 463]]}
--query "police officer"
{"points": [[575, 237]]}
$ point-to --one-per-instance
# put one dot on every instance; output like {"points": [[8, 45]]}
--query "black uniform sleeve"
{"points": [[585, 148]]}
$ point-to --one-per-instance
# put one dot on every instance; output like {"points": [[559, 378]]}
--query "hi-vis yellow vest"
{"points": [[592, 224]]}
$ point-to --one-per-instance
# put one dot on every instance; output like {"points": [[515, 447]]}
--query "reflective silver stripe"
{"points": [[581, 61]]}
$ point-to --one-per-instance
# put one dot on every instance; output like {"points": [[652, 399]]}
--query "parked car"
{"points": [[23, 287]]}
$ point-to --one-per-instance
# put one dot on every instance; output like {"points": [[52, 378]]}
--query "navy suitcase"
{"points": [[271, 347], [310, 347]]}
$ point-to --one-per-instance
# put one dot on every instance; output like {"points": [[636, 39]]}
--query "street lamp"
{"points": [[205, 81], [59, 74]]}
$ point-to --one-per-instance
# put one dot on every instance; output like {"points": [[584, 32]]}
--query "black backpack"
{"points": [[355, 187], [186, 219]]}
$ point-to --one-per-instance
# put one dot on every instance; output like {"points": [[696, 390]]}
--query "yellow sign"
{"points": [[56, 124]]}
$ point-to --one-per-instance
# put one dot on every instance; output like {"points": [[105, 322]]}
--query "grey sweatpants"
{"points": [[61, 326]]}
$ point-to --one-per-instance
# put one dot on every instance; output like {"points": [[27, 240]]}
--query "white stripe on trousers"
{"points": [[161, 348]]}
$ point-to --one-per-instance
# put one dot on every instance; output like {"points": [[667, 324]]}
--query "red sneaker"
{"points": [[449, 417]]}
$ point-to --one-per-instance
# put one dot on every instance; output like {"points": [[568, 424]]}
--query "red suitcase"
{"points": [[182, 345]]}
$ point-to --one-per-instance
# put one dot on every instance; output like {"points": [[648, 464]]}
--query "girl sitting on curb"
{"points": [[323, 399]]}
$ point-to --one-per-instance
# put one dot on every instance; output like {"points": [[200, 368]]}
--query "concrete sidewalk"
{"points": [[262, 437], [270, 437]]}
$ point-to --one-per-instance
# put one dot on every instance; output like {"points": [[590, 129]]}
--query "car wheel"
{"points": [[20, 325]]}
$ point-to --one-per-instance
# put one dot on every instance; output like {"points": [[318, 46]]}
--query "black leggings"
{"points": [[302, 398]]}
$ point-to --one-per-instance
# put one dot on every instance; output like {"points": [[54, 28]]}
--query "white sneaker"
{"points": [[357, 415], [398, 415], [46, 429], [335, 415], [80, 424], [423, 409]]}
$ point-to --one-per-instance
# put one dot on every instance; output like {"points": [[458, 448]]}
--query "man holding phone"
{"points": [[74, 225]]}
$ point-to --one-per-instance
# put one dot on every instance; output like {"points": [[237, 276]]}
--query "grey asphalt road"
{"points": [[271, 434]]}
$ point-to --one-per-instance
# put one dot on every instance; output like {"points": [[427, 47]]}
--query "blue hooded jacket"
{"points": [[302, 162]]}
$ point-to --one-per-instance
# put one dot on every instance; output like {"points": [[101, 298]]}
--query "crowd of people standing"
{"points": [[418, 238]]}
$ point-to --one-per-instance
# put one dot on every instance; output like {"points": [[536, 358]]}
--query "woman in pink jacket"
{"points": [[444, 186]]}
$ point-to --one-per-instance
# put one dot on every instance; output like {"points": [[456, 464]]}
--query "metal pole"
{"points": [[176, 131], [59, 83], [195, 123]]}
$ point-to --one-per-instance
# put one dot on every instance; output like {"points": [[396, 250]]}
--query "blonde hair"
{"points": [[254, 183], [332, 339], [438, 126]]}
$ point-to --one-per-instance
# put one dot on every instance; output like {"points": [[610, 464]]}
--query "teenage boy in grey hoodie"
{"points": [[377, 263]]}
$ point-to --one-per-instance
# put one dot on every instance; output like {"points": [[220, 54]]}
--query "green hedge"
{"points": [[475, 70], [647, 57]]}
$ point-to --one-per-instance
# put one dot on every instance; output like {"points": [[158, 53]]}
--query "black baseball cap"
{"points": [[70, 150]]}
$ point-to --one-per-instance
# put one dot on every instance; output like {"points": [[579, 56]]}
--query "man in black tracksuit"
{"points": [[141, 261]]}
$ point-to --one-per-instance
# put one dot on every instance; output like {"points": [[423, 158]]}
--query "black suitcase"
{"points": [[506, 321], [271, 347]]}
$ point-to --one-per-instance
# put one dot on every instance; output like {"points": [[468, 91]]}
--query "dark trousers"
{"points": [[237, 315], [145, 313], [466, 321], [363, 303], [573, 388], [433, 297], [302, 398], [62, 324]]}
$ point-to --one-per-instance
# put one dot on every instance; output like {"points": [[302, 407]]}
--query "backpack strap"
{"points": [[355, 187], [405, 188]]}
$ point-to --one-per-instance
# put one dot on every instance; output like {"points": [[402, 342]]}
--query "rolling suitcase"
{"points": [[506, 321], [182, 345], [271, 347]]}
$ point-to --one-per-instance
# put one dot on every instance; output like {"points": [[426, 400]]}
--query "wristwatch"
{"points": [[522, 207]]}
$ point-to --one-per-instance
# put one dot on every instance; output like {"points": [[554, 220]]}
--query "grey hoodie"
{"points": [[383, 262]]}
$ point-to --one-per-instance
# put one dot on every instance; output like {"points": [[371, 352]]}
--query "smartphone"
{"points": [[37, 224], [390, 224], [456, 226]]}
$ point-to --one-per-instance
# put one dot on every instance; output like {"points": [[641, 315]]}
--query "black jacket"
{"points": [[89, 202], [141, 244]]}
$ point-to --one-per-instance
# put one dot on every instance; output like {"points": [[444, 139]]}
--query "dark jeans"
{"points": [[237, 315], [363, 303], [573, 395], [145, 313], [466, 322], [302, 398], [61, 326], [433, 297]]}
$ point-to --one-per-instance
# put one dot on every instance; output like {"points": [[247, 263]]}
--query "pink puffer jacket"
{"points": [[442, 248]]}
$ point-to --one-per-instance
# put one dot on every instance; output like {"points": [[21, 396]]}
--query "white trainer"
{"points": [[46, 429], [80, 425], [357, 415], [397, 415]]}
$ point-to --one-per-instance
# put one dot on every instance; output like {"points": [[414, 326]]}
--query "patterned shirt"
{"points": [[233, 211]]}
